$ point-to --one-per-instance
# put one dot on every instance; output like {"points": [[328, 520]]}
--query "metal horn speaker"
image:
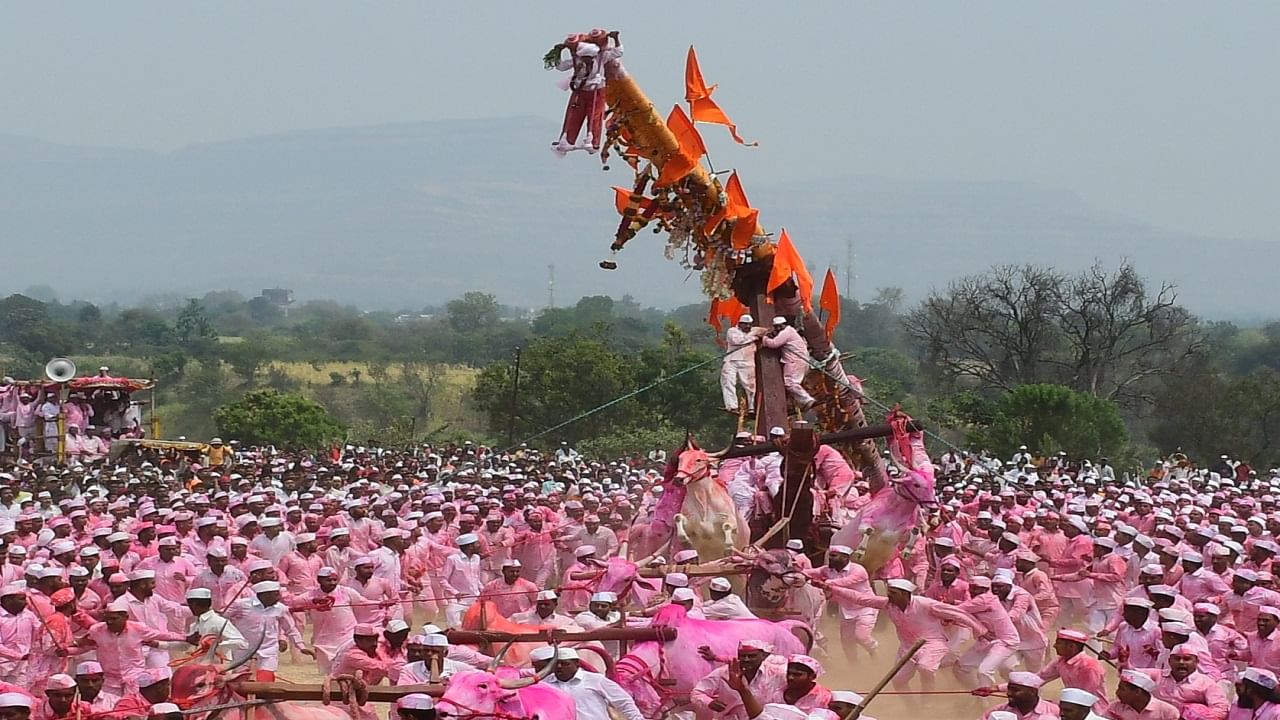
{"points": [[60, 369]]}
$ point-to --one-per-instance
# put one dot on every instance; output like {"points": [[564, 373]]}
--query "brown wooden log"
{"points": [[309, 692], [796, 500], [852, 435], [693, 571], [474, 637]]}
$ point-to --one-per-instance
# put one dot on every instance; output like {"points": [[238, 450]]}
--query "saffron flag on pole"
{"points": [[787, 265], [680, 164], [724, 313], [738, 209], [701, 107], [829, 300]]}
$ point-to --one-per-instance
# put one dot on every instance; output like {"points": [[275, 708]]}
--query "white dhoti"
{"points": [[454, 611], [743, 495], [732, 374]]}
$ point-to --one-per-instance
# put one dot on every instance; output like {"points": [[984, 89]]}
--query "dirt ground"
{"points": [[860, 675]]}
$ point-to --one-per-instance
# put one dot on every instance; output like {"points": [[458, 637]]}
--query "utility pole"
{"points": [[551, 286], [515, 402], [848, 268]]}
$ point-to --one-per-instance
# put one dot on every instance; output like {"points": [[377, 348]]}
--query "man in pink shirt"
{"points": [[1196, 695], [362, 655], [1137, 641], [376, 597], [1024, 703], [122, 645], [535, 551], [332, 612], [1075, 667], [575, 594], [1198, 583], [948, 588], [992, 652], [225, 582], [89, 682], [18, 629], [1225, 643], [920, 618], [298, 568], [340, 555], [174, 572], [713, 696], [1071, 587], [1136, 700], [1033, 639], [511, 593], [148, 608], [857, 619]]}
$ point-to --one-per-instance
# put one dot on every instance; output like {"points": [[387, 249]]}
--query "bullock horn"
{"points": [[622, 548], [497, 659], [517, 683], [248, 655]]}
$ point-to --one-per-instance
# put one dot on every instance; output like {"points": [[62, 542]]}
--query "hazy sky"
{"points": [[1165, 111]]}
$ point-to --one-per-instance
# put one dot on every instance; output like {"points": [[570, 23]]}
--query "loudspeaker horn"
{"points": [[60, 369]]}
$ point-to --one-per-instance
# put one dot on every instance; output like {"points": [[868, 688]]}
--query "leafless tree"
{"points": [[996, 329], [1119, 336], [1098, 332]]}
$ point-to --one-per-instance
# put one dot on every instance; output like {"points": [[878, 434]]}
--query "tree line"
{"points": [[1096, 362]]}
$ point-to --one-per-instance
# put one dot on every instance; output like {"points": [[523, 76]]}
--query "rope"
{"points": [[862, 393], [630, 395], [581, 416]]}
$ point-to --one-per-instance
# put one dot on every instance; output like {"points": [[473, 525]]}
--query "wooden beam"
{"points": [[694, 570], [475, 637], [852, 435], [308, 692]]}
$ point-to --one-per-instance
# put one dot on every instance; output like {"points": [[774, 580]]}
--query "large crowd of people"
{"points": [[1141, 597]]}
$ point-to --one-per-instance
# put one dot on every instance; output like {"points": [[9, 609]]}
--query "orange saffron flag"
{"points": [[701, 107], [621, 199], [788, 265], [745, 229], [829, 300], [680, 164], [713, 318], [736, 206], [724, 313]]}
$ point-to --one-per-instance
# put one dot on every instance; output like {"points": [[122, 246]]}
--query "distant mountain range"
{"points": [[403, 216]]}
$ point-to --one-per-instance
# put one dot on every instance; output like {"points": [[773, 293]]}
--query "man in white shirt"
{"points": [[739, 365], [544, 612], [274, 542], [593, 693], [435, 657], [460, 578], [206, 622], [264, 614], [601, 613], [724, 605]]}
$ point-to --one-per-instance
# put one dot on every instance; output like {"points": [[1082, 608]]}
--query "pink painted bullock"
{"points": [[502, 694], [897, 509], [642, 671], [695, 510]]}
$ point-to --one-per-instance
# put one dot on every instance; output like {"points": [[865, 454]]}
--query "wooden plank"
{"points": [[693, 571], [851, 435], [474, 637], [308, 692]]}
